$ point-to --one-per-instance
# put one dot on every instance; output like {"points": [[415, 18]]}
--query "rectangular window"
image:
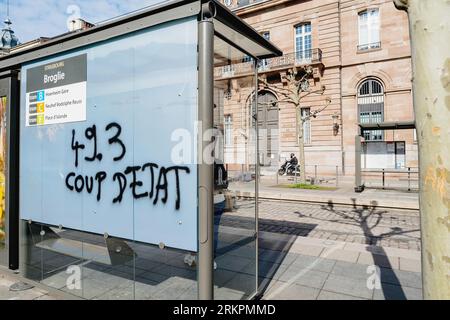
{"points": [[303, 43], [247, 59], [228, 70], [228, 130], [369, 30], [263, 64], [242, 3], [371, 113], [305, 112]]}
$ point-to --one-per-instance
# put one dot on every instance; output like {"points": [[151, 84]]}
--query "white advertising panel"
{"points": [[96, 137]]}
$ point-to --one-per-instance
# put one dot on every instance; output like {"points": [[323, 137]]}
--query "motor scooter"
{"points": [[289, 169]]}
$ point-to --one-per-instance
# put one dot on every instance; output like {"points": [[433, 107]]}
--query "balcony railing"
{"points": [[288, 60], [369, 46], [243, 3]]}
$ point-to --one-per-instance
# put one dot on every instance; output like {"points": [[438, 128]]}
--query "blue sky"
{"points": [[45, 18]]}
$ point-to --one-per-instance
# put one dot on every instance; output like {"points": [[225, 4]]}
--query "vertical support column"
{"points": [[358, 183], [12, 171], [430, 32], [409, 179], [205, 167], [257, 178]]}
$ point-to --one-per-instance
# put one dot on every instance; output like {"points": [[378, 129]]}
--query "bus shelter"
{"points": [[123, 176]]}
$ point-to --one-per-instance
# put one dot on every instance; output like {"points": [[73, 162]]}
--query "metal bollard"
{"points": [[276, 173], [383, 179], [337, 174], [409, 178]]}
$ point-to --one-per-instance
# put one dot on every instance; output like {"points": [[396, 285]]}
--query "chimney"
{"points": [[79, 24]]}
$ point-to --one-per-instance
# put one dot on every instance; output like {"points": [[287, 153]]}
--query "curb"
{"points": [[325, 199]]}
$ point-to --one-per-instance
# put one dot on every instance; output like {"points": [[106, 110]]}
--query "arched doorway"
{"points": [[268, 128]]}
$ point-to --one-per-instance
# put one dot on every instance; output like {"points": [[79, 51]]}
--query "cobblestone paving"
{"points": [[367, 225]]}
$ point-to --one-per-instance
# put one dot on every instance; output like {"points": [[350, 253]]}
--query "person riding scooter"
{"points": [[289, 166], [293, 161]]}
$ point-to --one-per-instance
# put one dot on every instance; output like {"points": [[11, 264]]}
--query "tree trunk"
{"points": [[430, 34], [301, 146]]}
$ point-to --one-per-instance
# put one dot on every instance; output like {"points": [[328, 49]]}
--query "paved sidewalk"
{"points": [[318, 278], [37, 292], [300, 258], [342, 195], [300, 268], [323, 251], [306, 251]]}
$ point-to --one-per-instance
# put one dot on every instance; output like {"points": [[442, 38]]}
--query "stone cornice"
{"points": [[253, 7]]}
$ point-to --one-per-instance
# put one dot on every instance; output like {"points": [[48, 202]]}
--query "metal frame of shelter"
{"points": [[359, 185]]}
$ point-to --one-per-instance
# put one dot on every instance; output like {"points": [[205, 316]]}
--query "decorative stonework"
{"points": [[401, 4], [8, 38]]}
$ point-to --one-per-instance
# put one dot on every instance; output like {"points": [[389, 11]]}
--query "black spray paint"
{"points": [[148, 181]]}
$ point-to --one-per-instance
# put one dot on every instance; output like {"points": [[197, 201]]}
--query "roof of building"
{"points": [[226, 24]]}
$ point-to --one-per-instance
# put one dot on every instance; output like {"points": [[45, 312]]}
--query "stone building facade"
{"points": [[359, 50]]}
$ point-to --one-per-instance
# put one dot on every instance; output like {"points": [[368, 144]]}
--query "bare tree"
{"points": [[297, 88]]}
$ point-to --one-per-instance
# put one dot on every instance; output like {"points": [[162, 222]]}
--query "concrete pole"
{"points": [[358, 181], [429, 26]]}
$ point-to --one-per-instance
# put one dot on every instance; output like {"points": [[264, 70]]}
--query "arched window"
{"points": [[370, 87], [371, 107]]}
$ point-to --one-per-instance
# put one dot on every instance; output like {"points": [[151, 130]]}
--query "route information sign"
{"points": [[56, 92]]}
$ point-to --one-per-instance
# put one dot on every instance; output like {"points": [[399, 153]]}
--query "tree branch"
{"points": [[313, 114]]}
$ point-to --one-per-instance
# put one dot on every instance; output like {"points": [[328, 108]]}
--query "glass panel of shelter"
{"points": [[235, 244], [98, 265]]}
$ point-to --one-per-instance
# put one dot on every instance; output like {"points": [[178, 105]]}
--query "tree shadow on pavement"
{"points": [[367, 218], [273, 246]]}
